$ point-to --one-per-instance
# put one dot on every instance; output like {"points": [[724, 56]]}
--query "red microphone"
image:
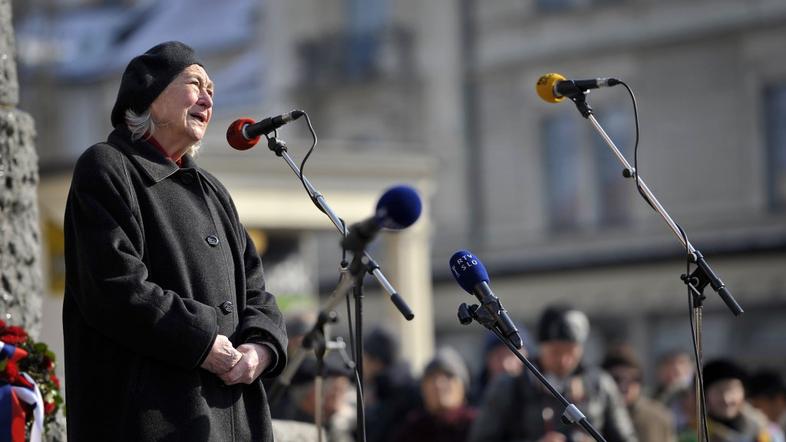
{"points": [[244, 133]]}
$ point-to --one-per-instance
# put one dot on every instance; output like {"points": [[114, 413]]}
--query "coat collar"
{"points": [[155, 166]]}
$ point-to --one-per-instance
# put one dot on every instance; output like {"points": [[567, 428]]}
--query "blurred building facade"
{"points": [[440, 94]]}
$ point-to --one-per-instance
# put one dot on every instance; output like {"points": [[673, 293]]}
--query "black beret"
{"points": [[562, 323], [147, 75]]}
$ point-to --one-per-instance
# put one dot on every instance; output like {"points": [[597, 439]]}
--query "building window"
{"points": [[549, 6], [557, 5], [560, 141], [774, 117], [366, 20], [614, 191]]}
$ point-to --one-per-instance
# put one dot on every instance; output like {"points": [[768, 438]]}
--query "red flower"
{"points": [[49, 407], [55, 380], [13, 335]]}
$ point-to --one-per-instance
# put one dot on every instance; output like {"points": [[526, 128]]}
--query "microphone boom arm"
{"points": [[705, 272], [320, 201]]}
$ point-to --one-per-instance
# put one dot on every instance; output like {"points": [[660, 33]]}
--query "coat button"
{"points": [[187, 178], [212, 240], [227, 307]]}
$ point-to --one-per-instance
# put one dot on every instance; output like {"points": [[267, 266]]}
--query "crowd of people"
{"points": [[505, 402]]}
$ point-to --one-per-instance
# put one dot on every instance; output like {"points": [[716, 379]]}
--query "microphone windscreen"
{"points": [[235, 136], [545, 87], [468, 270], [398, 208]]}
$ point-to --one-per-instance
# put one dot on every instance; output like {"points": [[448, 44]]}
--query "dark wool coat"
{"points": [[158, 264]]}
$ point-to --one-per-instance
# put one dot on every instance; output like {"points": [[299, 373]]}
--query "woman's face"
{"points": [[183, 110]]}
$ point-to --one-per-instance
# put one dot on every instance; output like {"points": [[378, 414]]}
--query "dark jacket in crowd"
{"points": [[449, 426], [521, 409], [396, 395], [158, 264]]}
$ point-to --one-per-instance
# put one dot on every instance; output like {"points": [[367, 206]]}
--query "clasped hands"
{"points": [[241, 365]]}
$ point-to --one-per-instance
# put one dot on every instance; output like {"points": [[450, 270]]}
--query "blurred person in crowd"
{"points": [[338, 398], [498, 359], [767, 392], [297, 325], [730, 418], [652, 421], [520, 408], [390, 392], [674, 373], [166, 320], [445, 415]]}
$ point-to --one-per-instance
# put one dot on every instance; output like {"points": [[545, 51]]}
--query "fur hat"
{"points": [[721, 370]]}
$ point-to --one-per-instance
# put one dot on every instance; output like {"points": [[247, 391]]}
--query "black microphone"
{"points": [[553, 88], [471, 275], [244, 134]]}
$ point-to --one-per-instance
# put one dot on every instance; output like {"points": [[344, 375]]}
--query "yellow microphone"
{"points": [[553, 88]]}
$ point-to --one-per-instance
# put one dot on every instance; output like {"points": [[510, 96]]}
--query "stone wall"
{"points": [[20, 240]]}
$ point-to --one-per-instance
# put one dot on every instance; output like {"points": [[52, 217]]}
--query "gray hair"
{"points": [[142, 126]]}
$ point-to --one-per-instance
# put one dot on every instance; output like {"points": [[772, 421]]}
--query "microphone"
{"points": [[398, 208], [471, 275], [244, 133], [553, 88]]}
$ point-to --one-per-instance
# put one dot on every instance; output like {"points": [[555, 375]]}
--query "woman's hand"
{"points": [[256, 358], [222, 357]]}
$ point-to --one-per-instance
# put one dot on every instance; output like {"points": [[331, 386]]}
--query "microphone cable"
{"points": [[689, 258], [301, 175], [308, 154]]}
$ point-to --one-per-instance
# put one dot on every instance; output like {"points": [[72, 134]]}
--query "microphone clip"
{"points": [[581, 103], [467, 313], [277, 146]]}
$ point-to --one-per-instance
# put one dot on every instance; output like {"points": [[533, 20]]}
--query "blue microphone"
{"points": [[398, 208], [471, 275]]}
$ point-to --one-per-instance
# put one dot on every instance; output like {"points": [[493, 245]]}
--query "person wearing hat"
{"points": [[337, 402], [166, 320], [520, 408], [389, 392], [498, 359], [730, 418], [445, 415], [767, 392]]}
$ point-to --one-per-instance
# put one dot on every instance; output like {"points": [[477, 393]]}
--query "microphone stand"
{"points": [[698, 280], [572, 414], [315, 340], [280, 149], [314, 336], [359, 267], [362, 262]]}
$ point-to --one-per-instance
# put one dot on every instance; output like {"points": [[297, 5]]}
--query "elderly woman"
{"points": [[167, 323]]}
